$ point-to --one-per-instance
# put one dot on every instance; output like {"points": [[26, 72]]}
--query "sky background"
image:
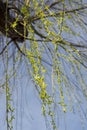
{"points": [[28, 114]]}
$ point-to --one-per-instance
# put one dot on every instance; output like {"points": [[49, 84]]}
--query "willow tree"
{"points": [[46, 40]]}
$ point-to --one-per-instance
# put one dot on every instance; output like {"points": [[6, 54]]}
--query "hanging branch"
{"points": [[5, 47]]}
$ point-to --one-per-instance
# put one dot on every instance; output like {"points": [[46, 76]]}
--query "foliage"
{"points": [[55, 45]]}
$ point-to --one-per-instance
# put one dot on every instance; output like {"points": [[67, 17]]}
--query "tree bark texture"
{"points": [[16, 33]]}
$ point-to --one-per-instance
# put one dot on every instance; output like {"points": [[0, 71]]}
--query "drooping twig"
{"points": [[5, 47]]}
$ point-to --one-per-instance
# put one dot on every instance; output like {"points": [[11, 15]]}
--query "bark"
{"points": [[16, 33]]}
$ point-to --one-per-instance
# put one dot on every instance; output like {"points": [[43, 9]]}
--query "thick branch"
{"points": [[17, 33]]}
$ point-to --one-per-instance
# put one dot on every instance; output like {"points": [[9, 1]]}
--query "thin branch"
{"points": [[72, 44], [37, 32], [43, 60], [5, 47], [35, 18], [19, 49], [54, 3]]}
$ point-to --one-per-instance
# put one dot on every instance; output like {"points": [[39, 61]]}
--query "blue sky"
{"points": [[28, 114]]}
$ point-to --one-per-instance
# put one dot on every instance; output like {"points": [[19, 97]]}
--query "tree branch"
{"points": [[5, 47], [35, 18]]}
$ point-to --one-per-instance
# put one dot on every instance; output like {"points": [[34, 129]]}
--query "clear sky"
{"points": [[28, 114]]}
